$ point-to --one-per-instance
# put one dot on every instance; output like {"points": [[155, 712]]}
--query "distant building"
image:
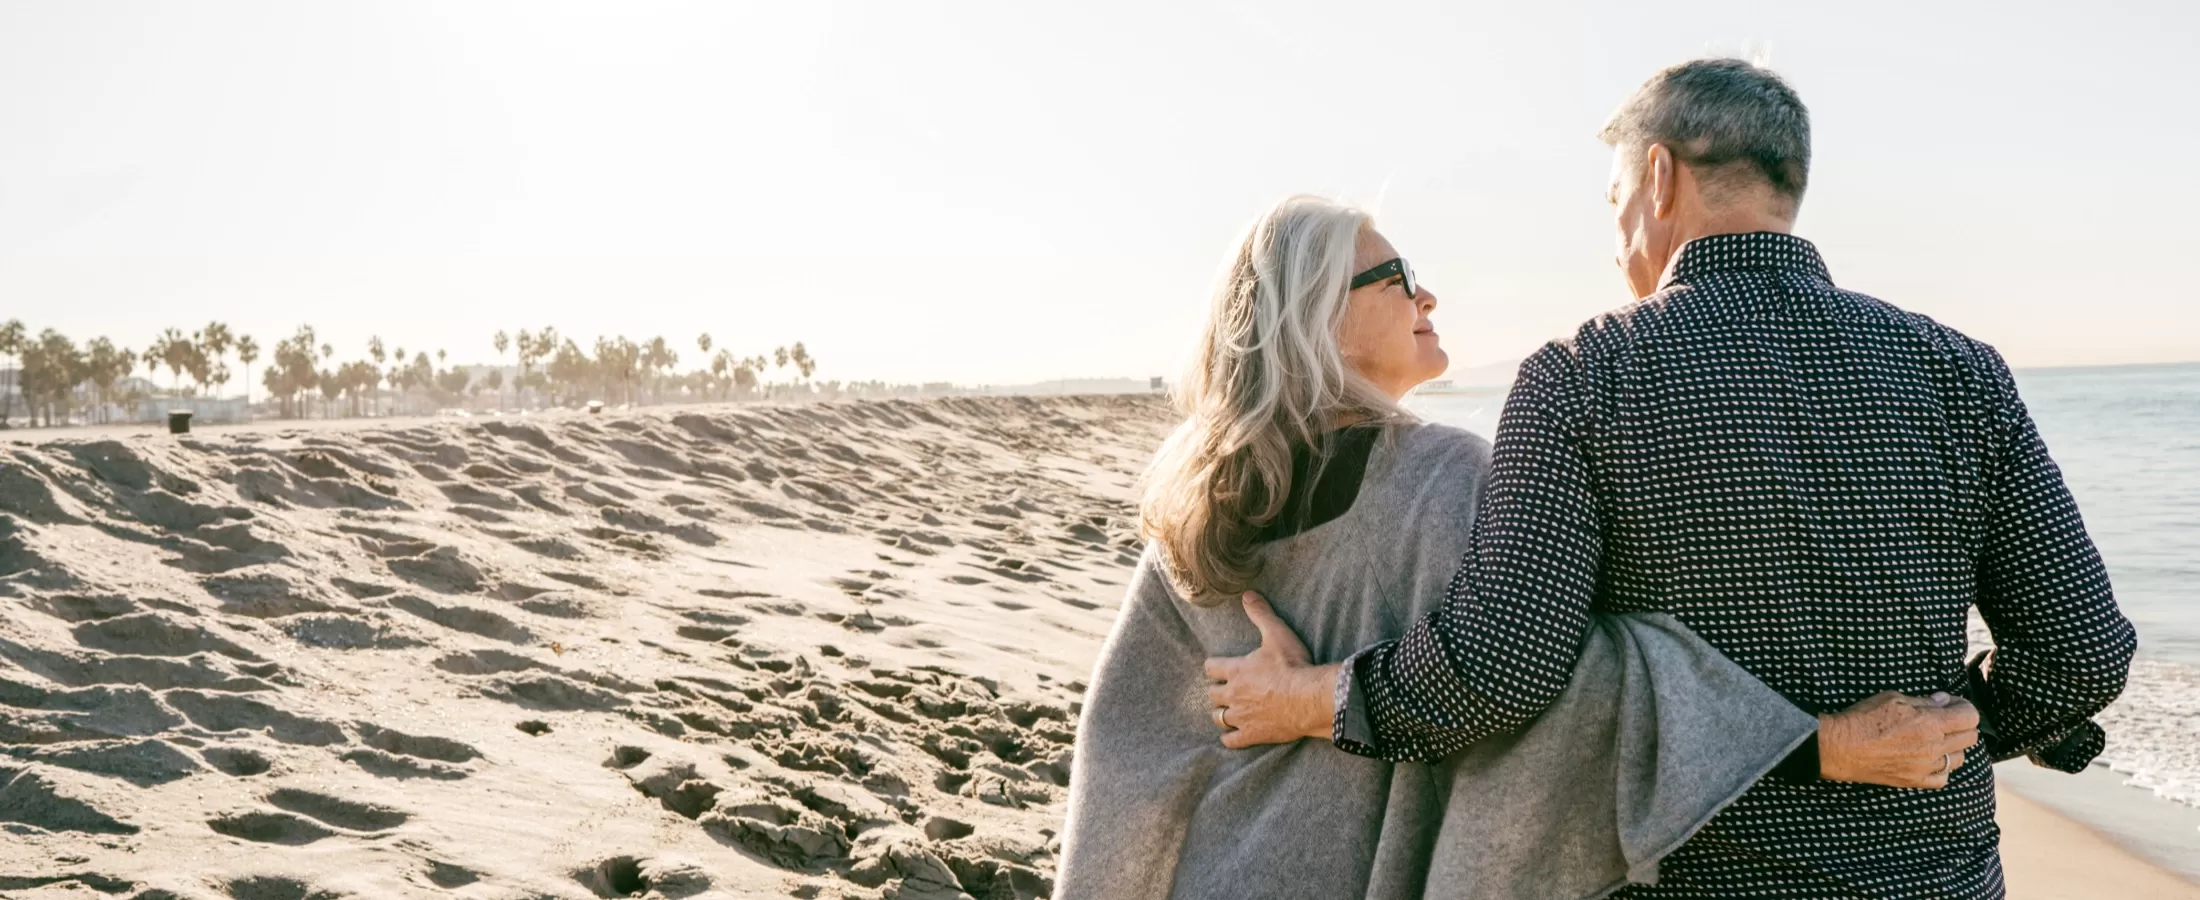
{"points": [[203, 409]]}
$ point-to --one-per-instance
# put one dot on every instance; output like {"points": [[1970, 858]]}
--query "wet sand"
{"points": [[2048, 857]]}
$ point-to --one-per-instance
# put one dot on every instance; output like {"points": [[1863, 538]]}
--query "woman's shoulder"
{"points": [[1424, 444], [1430, 468]]}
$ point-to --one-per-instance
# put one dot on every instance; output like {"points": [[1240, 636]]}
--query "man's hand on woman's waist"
{"points": [[1276, 695]]}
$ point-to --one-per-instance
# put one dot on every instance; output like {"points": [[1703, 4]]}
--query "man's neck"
{"points": [[1730, 222]]}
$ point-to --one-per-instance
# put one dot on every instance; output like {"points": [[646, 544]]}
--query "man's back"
{"points": [[1812, 480], [1821, 486]]}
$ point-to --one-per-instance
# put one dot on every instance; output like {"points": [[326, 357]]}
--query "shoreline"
{"points": [[2047, 855], [2141, 828]]}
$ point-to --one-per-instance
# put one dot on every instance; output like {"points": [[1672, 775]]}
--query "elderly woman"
{"points": [[1297, 475]]}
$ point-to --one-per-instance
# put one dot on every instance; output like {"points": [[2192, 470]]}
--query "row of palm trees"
{"points": [[60, 381]]}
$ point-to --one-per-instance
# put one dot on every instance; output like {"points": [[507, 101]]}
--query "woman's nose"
{"points": [[1426, 298]]}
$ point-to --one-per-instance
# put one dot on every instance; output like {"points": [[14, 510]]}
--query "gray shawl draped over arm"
{"points": [[1654, 734]]}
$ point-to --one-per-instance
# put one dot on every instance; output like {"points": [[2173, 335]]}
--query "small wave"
{"points": [[2154, 731]]}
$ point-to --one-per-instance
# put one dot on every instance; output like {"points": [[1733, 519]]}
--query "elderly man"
{"points": [[1818, 483]]}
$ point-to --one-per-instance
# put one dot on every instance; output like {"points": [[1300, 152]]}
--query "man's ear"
{"points": [[1664, 180]]}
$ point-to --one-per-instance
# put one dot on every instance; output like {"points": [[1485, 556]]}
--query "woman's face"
{"points": [[1386, 336]]}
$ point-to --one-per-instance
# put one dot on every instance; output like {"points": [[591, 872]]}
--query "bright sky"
{"points": [[1015, 191]]}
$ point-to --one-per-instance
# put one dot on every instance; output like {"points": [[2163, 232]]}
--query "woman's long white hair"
{"points": [[1268, 375]]}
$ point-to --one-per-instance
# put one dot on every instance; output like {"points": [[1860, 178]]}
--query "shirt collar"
{"points": [[1755, 250]]}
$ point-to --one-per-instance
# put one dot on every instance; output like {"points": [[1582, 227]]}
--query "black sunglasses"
{"points": [[1396, 268]]}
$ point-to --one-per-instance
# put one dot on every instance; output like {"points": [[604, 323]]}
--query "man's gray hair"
{"points": [[1729, 120]]}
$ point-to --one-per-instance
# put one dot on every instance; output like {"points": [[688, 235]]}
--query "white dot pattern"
{"points": [[1819, 484]]}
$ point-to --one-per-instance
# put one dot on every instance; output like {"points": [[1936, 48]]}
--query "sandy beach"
{"points": [[818, 651], [2048, 857]]}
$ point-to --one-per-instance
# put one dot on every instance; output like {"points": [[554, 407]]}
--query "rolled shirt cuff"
{"points": [[1802, 763], [1352, 731], [2074, 751]]}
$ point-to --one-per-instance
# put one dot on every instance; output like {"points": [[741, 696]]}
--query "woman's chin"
{"points": [[1438, 362]]}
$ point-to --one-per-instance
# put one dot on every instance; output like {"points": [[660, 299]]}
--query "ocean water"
{"points": [[2128, 441]]}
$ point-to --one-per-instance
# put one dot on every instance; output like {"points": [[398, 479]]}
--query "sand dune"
{"points": [[813, 651]]}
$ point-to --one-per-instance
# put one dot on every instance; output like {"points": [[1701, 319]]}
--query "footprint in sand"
{"points": [[273, 887], [269, 828], [423, 746], [29, 797], [449, 876], [552, 692], [629, 876], [226, 712], [337, 811], [484, 662], [469, 619], [144, 763], [579, 580], [240, 762]]}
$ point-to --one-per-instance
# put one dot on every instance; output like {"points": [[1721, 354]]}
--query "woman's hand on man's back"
{"points": [[1897, 740]]}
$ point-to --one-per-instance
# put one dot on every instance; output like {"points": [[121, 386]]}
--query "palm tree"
{"points": [[802, 361], [328, 352], [248, 352], [421, 374], [703, 343], [103, 364], [331, 388], [526, 347], [215, 341], [293, 372], [365, 379], [502, 342], [396, 379], [744, 375], [547, 346], [453, 382], [375, 352], [197, 364], [721, 365], [657, 357], [357, 377], [120, 367], [52, 368], [567, 367], [174, 350], [11, 346]]}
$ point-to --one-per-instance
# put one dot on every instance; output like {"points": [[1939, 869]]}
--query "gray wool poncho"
{"points": [[1655, 734]]}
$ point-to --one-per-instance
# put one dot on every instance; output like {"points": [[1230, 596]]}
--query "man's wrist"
{"points": [[1830, 746]]}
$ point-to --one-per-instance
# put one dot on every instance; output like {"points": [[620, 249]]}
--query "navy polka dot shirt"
{"points": [[1822, 486]]}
